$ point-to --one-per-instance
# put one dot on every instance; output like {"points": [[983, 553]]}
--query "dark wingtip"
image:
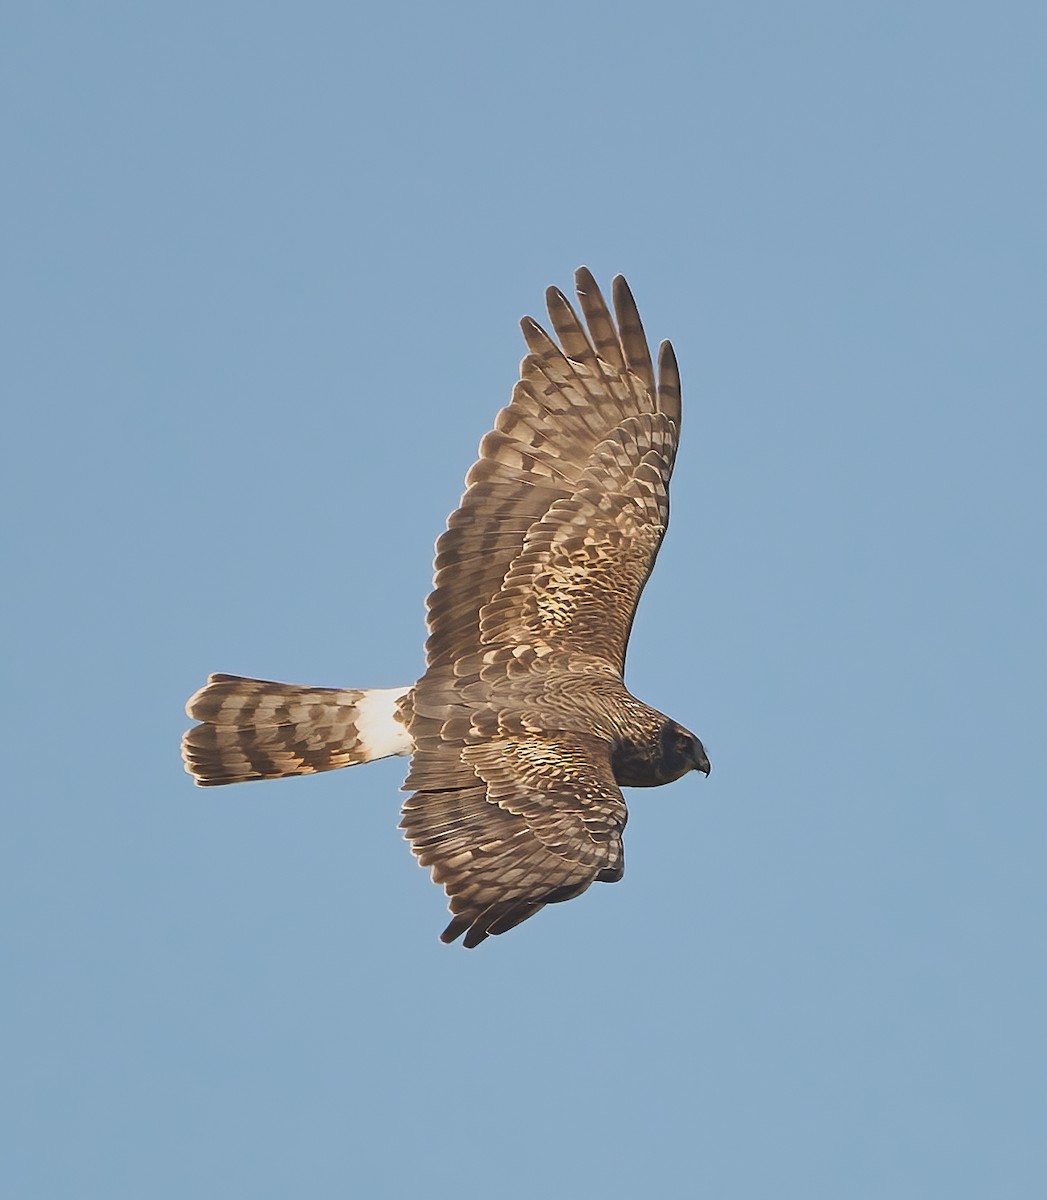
{"points": [[583, 279], [669, 390], [456, 928], [631, 334], [538, 341]]}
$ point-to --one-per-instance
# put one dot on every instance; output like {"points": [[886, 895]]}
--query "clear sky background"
{"points": [[262, 272]]}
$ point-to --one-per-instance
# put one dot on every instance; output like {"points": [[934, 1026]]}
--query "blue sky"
{"points": [[262, 279]]}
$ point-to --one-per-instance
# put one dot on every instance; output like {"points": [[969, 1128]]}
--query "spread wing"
{"points": [[537, 578], [585, 415], [530, 820]]}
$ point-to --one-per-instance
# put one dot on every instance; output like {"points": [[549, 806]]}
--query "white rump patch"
{"points": [[380, 730]]}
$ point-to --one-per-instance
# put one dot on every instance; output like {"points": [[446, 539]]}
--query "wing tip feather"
{"points": [[669, 388]]}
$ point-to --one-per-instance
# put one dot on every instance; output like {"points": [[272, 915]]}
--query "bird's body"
{"points": [[521, 730]]}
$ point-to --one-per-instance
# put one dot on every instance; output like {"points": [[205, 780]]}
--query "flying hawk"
{"points": [[521, 730]]}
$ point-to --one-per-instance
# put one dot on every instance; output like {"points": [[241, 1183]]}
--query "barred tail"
{"points": [[254, 729]]}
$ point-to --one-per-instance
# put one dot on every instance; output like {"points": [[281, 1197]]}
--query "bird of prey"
{"points": [[521, 730]]}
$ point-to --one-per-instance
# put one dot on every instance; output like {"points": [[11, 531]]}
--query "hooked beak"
{"points": [[701, 760]]}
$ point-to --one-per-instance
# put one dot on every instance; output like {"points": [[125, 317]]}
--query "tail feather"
{"points": [[255, 729]]}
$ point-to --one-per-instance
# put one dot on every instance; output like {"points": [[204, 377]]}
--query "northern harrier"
{"points": [[521, 730]]}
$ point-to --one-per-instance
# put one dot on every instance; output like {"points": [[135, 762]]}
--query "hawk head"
{"points": [[681, 752], [663, 753]]}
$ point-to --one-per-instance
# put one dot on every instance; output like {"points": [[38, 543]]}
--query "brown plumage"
{"points": [[255, 729], [521, 728]]}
